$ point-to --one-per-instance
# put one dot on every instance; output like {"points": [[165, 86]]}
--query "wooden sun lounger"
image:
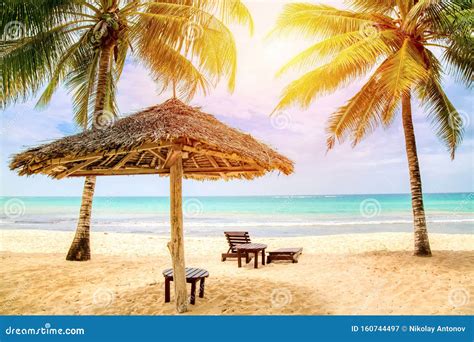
{"points": [[290, 254], [233, 239]]}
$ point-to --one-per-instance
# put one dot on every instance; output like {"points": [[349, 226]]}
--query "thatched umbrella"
{"points": [[168, 139]]}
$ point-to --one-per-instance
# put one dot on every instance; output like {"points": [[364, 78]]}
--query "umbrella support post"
{"points": [[176, 244]]}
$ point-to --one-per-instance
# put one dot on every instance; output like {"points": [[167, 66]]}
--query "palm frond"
{"points": [[35, 16], [62, 68], [81, 83], [323, 51], [351, 63], [210, 47], [322, 21], [372, 6], [173, 69], [30, 61], [345, 120], [362, 114], [445, 119], [459, 55], [401, 72], [229, 11]]}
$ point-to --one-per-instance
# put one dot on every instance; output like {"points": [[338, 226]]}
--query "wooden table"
{"points": [[192, 276], [247, 248]]}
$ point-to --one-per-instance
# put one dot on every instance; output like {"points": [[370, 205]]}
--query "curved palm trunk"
{"points": [[80, 247], [422, 244]]}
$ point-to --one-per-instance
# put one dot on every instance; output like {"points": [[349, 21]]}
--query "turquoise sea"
{"points": [[261, 215]]}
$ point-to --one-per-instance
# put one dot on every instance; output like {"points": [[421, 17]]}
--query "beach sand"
{"points": [[355, 274]]}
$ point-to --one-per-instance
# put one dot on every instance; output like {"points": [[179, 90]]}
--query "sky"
{"points": [[377, 165]]}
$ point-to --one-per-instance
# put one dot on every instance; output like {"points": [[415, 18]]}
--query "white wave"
{"points": [[233, 223], [277, 223]]}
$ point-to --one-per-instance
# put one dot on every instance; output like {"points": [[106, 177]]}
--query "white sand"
{"points": [[341, 274]]}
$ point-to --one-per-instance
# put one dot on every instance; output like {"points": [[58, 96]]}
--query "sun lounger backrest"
{"points": [[237, 238]]}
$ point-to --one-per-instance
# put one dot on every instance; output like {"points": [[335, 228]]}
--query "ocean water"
{"points": [[261, 215]]}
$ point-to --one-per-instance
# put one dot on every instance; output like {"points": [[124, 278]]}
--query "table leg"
{"points": [[167, 290], [256, 260], [247, 258], [263, 256], [238, 257], [201, 288], [193, 293]]}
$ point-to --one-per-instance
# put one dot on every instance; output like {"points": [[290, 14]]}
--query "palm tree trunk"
{"points": [[104, 68], [80, 247], [422, 244]]}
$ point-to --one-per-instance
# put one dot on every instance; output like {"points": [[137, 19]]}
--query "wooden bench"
{"points": [[234, 239], [192, 276], [290, 254]]}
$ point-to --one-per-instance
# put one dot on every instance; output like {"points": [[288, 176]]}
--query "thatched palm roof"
{"points": [[143, 143]]}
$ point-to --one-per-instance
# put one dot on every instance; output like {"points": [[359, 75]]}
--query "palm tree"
{"points": [[396, 42], [84, 44]]}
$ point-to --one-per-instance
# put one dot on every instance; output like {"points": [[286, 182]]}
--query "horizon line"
{"points": [[278, 195]]}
